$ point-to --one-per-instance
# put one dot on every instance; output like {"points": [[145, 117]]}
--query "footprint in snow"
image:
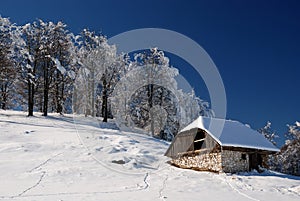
{"points": [[99, 149], [117, 149], [103, 137], [133, 142], [28, 132]]}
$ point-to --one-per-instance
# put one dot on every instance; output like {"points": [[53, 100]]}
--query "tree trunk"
{"points": [[31, 89], [30, 100], [4, 97], [58, 96], [89, 98], [150, 101], [61, 100], [152, 122], [46, 89], [93, 92], [105, 108], [104, 101]]}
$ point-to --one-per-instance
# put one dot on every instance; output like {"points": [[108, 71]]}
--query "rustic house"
{"points": [[234, 148]]}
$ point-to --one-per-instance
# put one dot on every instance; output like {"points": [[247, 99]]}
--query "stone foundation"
{"points": [[234, 161]]}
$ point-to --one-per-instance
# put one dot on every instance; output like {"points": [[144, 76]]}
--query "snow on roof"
{"points": [[234, 133]]}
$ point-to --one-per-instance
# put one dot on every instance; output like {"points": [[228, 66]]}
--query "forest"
{"points": [[46, 68]]}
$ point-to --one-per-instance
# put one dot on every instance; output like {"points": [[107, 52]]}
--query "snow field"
{"points": [[51, 158]]}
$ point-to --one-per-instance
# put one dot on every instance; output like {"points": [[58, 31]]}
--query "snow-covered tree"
{"points": [[287, 160], [85, 85], [64, 59], [293, 133], [8, 68], [48, 66], [158, 89], [268, 133], [29, 60], [100, 71], [148, 83], [147, 97], [290, 152], [192, 107], [161, 115]]}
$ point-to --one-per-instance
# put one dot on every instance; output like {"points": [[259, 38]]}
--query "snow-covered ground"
{"points": [[54, 158]]}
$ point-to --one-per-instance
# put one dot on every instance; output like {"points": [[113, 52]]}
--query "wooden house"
{"points": [[219, 145]]}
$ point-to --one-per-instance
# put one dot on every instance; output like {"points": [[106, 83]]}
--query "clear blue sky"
{"points": [[255, 44]]}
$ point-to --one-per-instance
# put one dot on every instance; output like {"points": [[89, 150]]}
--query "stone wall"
{"points": [[232, 161], [200, 161]]}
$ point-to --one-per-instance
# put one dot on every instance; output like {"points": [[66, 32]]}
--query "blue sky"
{"points": [[254, 44]]}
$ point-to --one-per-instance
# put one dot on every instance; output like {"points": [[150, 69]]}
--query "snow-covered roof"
{"points": [[233, 133]]}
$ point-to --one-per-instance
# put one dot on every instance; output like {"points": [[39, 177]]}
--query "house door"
{"points": [[255, 160]]}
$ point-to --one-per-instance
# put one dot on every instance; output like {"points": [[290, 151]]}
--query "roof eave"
{"points": [[268, 149]]}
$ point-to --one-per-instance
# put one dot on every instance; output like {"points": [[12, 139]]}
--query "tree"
{"points": [[287, 160], [7, 65], [192, 107], [57, 65], [290, 152], [268, 133], [148, 86], [100, 71], [63, 56], [84, 93], [30, 62], [157, 117], [147, 97], [113, 69], [48, 66]]}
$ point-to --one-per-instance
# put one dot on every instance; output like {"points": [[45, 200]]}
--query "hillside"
{"points": [[76, 158]]}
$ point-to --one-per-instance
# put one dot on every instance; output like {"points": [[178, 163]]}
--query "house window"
{"points": [[199, 140], [244, 156]]}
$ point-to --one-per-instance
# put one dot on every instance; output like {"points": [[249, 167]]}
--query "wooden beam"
{"points": [[248, 150], [199, 140]]}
